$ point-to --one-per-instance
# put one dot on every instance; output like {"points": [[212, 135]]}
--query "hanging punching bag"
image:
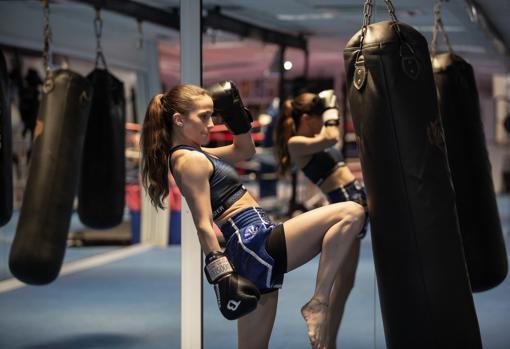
{"points": [[5, 146], [39, 245], [424, 291], [479, 221], [103, 172]]}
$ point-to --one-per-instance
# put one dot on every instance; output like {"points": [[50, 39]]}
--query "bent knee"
{"points": [[355, 215], [355, 211]]}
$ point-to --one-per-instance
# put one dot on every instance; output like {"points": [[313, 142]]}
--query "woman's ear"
{"points": [[178, 119]]}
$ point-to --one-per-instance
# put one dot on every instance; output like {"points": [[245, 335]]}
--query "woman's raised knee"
{"points": [[355, 214]]}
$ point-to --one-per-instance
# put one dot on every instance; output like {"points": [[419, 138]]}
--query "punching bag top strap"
{"points": [[360, 72], [367, 18], [409, 62], [49, 82]]}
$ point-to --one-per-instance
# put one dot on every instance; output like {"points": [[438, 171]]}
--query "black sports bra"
{"points": [[225, 184], [322, 164]]}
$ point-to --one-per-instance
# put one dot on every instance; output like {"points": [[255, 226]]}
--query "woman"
{"points": [[305, 136], [258, 252]]}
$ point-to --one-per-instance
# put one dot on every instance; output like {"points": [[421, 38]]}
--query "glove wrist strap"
{"points": [[332, 122], [217, 266]]}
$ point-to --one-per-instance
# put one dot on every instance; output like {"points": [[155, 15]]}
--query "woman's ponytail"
{"points": [[155, 144], [285, 128]]}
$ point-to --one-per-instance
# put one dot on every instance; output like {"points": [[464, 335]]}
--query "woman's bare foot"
{"points": [[315, 314]]}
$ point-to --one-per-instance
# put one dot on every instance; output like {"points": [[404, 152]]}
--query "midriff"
{"points": [[244, 201], [340, 176]]}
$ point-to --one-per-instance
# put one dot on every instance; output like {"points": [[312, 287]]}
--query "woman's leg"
{"points": [[344, 282], [254, 329], [330, 230]]}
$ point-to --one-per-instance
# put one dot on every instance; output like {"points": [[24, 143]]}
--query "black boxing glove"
{"points": [[228, 104], [236, 296]]}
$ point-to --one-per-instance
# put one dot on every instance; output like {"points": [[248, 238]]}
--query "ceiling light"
{"points": [[287, 65]]}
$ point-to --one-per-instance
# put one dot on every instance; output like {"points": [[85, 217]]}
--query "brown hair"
{"points": [[287, 124], [156, 141]]}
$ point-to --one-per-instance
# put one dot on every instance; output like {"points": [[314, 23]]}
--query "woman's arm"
{"points": [[241, 149], [301, 145], [191, 172]]}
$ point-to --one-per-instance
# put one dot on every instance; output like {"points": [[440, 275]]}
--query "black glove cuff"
{"points": [[332, 122], [217, 266]]}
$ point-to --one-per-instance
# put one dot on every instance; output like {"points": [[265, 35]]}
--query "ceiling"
{"points": [[328, 25]]}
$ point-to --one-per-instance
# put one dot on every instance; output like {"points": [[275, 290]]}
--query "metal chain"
{"points": [[391, 11], [367, 17], [98, 30], [47, 37], [394, 19], [438, 26]]}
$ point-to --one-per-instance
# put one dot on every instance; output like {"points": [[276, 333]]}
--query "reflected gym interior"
{"points": [[412, 98]]}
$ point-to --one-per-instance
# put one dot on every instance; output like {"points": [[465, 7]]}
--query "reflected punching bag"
{"points": [[5, 146], [425, 297], [477, 208], [103, 173], [39, 245]]}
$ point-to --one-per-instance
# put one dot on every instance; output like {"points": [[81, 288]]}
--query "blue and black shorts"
{"points": [[256, 248]]}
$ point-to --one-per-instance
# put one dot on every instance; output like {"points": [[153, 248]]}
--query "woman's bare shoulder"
{"points": [[190, 164]]}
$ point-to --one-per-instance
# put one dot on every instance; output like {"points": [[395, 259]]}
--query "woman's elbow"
{"points": [[246, 150], [250, 151]]}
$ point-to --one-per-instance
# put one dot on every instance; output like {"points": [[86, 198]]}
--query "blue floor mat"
{"points": [[135, 303]]}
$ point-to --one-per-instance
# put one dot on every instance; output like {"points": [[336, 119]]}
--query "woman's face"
{"points": [[198, 123]]}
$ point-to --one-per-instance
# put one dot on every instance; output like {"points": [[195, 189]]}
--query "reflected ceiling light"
{"points": [[305, 16], [287, 65]]}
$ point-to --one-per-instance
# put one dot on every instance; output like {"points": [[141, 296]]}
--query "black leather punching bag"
{"points": [[5, 146], [479, 221], [424, 290], [39, 245], [103, 173]]}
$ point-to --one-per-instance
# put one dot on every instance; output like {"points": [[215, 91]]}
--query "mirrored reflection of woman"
{"points": [[306, 136]]}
